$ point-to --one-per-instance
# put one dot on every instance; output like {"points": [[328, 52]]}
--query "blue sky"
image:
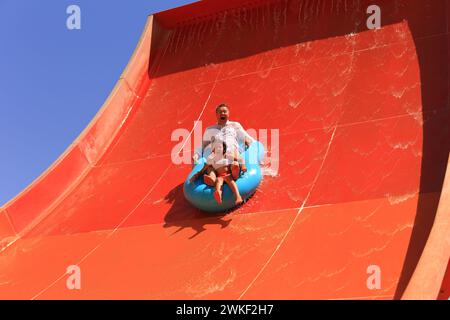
{"points": [[54, 80]]}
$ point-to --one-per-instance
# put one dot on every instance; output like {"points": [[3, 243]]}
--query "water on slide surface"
{"points": [[353, 177]]}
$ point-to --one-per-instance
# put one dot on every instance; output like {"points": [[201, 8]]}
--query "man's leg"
{"points": [[218, 191], [234, 166], [234, 188], [235, 170], [209, 177]]}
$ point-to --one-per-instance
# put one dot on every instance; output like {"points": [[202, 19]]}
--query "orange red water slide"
{"points": [[354, 177]]}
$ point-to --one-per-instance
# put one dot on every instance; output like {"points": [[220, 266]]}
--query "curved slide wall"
{"points": [[355, 122]]}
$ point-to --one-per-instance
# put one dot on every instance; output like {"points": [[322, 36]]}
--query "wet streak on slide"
{"points": [[363, 119]]}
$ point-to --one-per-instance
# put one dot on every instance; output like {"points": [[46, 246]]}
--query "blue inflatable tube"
{"points": [[201, 195]]}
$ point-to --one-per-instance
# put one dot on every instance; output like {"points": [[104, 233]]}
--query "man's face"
{"points": [[222, 114]]}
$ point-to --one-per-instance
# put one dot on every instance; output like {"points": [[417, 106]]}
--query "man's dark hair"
{"points": [[220, 106]]}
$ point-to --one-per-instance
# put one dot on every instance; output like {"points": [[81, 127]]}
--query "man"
{"points": [[234, 136]]}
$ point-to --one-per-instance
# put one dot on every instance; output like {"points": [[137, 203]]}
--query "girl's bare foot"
{"points": [[239, 201], [218, 196]]}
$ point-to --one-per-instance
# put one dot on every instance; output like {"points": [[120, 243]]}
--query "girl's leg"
{"points": [[209, 178], [218, 191], [234, 188]]}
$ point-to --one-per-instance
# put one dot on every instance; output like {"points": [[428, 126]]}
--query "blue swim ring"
{"points": [[201, 195]]}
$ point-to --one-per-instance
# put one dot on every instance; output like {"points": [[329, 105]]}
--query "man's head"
{"points": [[222, 113]]}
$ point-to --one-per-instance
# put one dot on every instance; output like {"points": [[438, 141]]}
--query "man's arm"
{"points": [[241, 162], [199, 173], [248, 139]]}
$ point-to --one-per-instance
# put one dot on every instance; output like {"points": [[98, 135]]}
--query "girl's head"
{"points": [[220, 148]]}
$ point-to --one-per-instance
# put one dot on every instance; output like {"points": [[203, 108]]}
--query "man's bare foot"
{"points": [[218, 196], [238, 201]]}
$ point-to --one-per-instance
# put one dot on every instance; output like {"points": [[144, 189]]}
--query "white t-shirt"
{"points": [[232, 133], [217, 161]]}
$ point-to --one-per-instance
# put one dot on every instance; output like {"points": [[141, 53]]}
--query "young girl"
{"points": [[221, 165]]}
